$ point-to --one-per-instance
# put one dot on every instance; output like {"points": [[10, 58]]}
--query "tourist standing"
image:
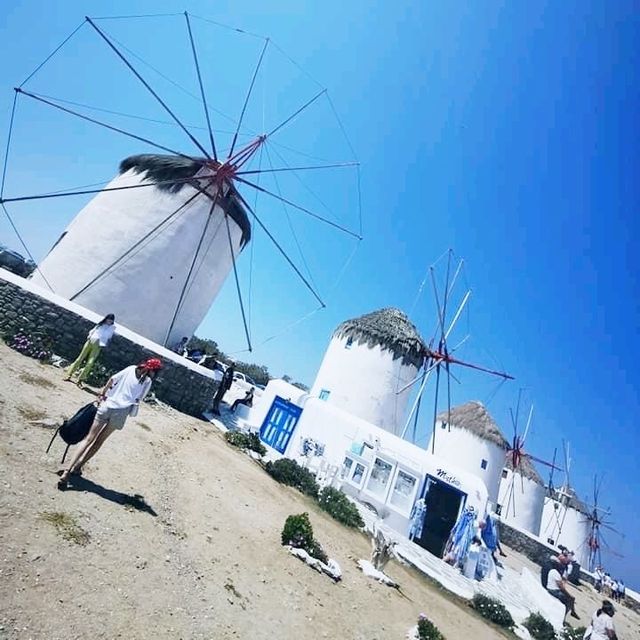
{"points": [[97, 339], [225, 385], [119, 399], [602, 627]]}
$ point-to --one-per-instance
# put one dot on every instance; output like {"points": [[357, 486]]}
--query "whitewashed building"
{"points": [[155, 256], [565, 522], [368, 361], [521, 496], [469, 438], [369, 463]]}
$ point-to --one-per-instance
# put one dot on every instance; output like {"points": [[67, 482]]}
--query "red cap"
{"points": [[152, 364]]}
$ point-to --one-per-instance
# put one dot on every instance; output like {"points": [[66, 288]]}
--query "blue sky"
{"points": [[505, 131]]}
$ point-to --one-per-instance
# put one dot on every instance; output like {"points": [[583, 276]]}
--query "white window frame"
{"points": [[380, 497], [411, 498]]}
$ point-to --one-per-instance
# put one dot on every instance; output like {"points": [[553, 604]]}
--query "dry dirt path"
{"points": [[173, 534]]}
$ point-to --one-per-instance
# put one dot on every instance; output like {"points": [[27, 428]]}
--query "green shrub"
{"points": [[291, 473], [539, 627], [337, 505], [99, 375], [298, 532], [569, 633], [427, 630], [493, 610], [245, 441]]}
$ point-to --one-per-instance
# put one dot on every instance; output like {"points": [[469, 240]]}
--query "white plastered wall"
{"points": [[143, 289], [364, 381], [522, 501], [566, 526], [467, 451]]}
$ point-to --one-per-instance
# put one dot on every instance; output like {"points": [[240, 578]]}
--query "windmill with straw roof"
{"points": [[157, 241]]}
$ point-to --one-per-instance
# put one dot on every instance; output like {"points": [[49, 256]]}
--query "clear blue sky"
{"points": [[507, 131]]}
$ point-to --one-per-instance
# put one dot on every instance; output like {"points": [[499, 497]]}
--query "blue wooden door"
{"points": [[278, 426]]}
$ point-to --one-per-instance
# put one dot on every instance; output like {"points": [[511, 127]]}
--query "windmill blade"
{"points": [[553, 468], [457, 315], [513, 422], [526, 429], [541, 461], [448, 370], [567, 462], [435, 409], [515, 425], [426, 374]]}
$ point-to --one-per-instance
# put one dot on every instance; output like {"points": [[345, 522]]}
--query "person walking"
{"points": [[97, 339], [119, 399], [602, 627], [225, 385]]}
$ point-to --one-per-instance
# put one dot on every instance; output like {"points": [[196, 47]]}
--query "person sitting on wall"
{"points": [[247, 400], [119, 399], [97, 339], [180, 347], [225, 385], [557, 587]]}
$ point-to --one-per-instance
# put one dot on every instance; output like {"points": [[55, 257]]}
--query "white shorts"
{"points": [[115, 418]]}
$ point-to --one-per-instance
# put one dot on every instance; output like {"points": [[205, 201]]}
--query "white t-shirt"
{"points": [[101, 334], [553, 580], [127, 390], [599, 626]]}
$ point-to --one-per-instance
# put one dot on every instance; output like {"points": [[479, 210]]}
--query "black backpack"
{"points": [[75, 428]]}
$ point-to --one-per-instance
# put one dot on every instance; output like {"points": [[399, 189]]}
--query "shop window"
{"points": [[403, 490], [346, 468], [324, 394], [379, 478], [483, 464], [358, 474]]}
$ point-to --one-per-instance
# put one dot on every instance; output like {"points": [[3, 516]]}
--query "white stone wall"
{"points": [[144, 290], [574, 532], [467, 451], [364, 382], [522, 501]]}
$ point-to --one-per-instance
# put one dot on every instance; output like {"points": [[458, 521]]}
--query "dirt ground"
{"points": [[174, 534]]}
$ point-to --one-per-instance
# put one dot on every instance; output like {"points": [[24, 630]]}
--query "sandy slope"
{"points": [[202, 561], [196, 555]]}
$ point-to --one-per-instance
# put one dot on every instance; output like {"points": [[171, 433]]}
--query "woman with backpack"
{"points": [[120, 398], [97, 339]]}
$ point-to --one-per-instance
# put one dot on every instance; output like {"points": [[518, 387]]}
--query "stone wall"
{"points": [[182, 385]]}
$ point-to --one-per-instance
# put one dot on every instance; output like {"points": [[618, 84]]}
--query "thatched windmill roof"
{"points": [[161, 169], [473, 417], [526, 469], [568, 496], [391, 330]]}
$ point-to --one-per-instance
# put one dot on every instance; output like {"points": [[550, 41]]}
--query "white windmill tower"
{"points": [[522, 490], [368, 359], [156, 243], [564, 515]]}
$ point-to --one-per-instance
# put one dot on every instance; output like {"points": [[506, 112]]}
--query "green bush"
{"points": [[99, 375], [427, 630], [539, 627], [569, 633], [493, 610], [337, 505], [291, 473], [298, 532], [245, 441]]}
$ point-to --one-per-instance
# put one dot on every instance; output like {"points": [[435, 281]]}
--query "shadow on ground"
{"points": [[135, 501]]}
